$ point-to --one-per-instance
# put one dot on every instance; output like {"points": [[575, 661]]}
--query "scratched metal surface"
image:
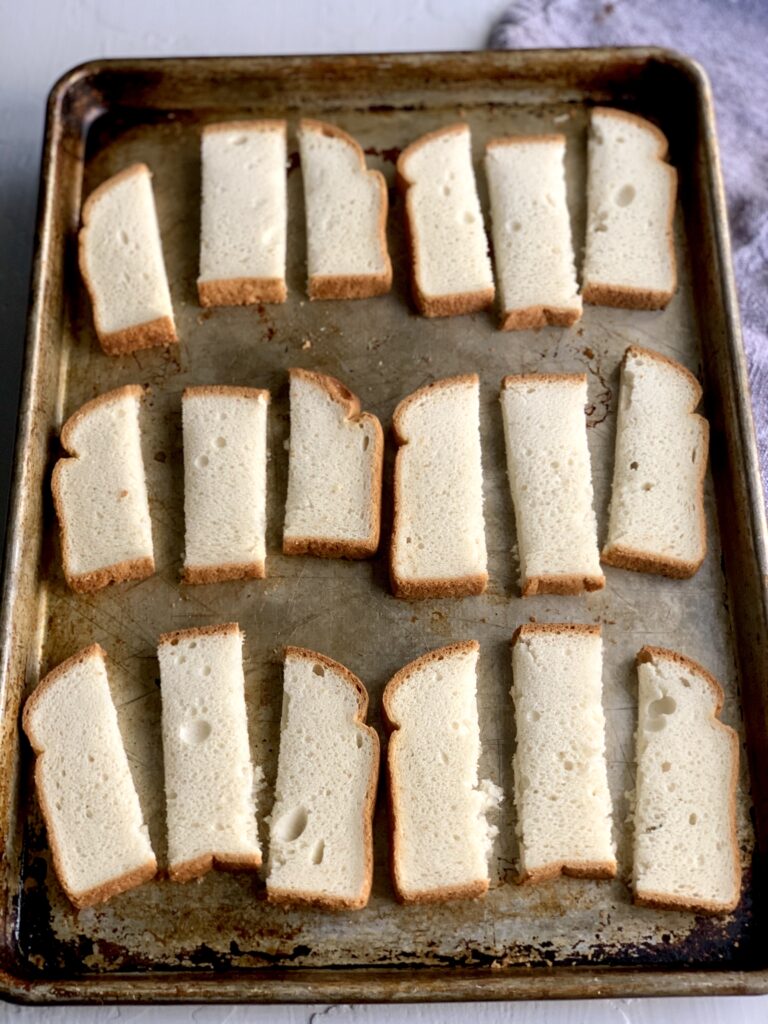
{"points": [[382, 350]]}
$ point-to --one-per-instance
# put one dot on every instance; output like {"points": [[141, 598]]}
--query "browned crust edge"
{"points": [[565, 583], [160, 331], [241, 291], [572, 869], [670, 901], [418, 589], [450, 892], [122, 883], [188, 871], [601, 293], [225, 391], [622, 557], [177, 635], [118, 572], [567, 628], [304, 897], [353, 286], [456, 304], [202, 574], [542, 378], [532, 317], [333, 547], [244, 125]]}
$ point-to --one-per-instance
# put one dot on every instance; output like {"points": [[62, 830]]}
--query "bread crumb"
{"points": [[306, 344]]}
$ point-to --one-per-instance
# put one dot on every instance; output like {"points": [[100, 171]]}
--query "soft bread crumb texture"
{"points": [[656, 520], [685, 849], [334, 469], [100, 492], [95, 825], [532, 247], [563, 804], [551, 481], [210, 783], [442, 836], [631, 190], [243, 217], [121, 257], [320, 847], [225, 478], [439, 531]]}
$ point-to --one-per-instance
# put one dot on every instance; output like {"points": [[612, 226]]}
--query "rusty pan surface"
{"points": [[218, 939]]}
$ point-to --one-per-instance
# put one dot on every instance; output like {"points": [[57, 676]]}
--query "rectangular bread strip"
{"points": [[121, 261], [100, 494], [656, 521], [243, 217], [320, 843], [450, 266], [225, 483], [210, 782], [438, 536], [532, 249], [561, 783], [629, 258], [346, 214], [95, 825], [441, 838], [333, 507], [551, 483], [686, 854]]}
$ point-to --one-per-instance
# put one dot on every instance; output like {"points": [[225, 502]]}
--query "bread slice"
{"points": [[320, 844], [450, 266], [96, 830], [100, 494], [225, 483], [561, 782], [532, 248], [441, 839], [243, 218], [333, 507], [549, 475], [686, 854], [346, 210], [438, 536], [656, 520], [629, 257], [121, 260], [210, 782]]}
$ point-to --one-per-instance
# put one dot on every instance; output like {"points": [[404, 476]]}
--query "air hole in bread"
{"points": [[444, 757], [207, 670], [195, 732], [665, 705], [666, 766], [318, 852], [201, 461], [221, 442], [647, 487], [366, 442], [694, 453], [291, 825], [692, 819], [686, 682], [446, 190], [568, 765], [318, 669], [625, 196], [124, 238], [359, 741], [469, 217], [633, 465], [517, 226]]}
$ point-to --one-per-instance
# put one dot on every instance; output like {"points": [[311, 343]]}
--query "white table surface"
{"points": [[39, 39]]}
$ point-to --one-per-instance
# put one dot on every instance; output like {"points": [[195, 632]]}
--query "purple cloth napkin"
{"points": [[730, 39]]}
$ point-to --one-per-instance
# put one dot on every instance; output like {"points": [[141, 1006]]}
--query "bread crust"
{"points": [[456, 304], [290, 897], [224, 629], [118, 572], [622, 557], [418, 589], [603, 293], [241, 291], [353, 286], [160, 331], [671, 901], [449, 892], [334, 547], [565, 583], [567, 628], [122, 883]]}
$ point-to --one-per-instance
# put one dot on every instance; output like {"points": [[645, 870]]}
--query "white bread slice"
{"points": [[450, 266], [656, 520], [96, 830], [438, 536], [346, 212], [321, 840], [210, 782], [244, 212], [333, 507], [100, 494], [441, 839], [561, 781], [225, 483], [121, 260], [532, 248], [686, 854], [551, 482], [629, 258]]}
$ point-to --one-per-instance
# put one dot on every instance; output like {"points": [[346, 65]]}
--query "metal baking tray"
{"points": [[218, 939]]}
